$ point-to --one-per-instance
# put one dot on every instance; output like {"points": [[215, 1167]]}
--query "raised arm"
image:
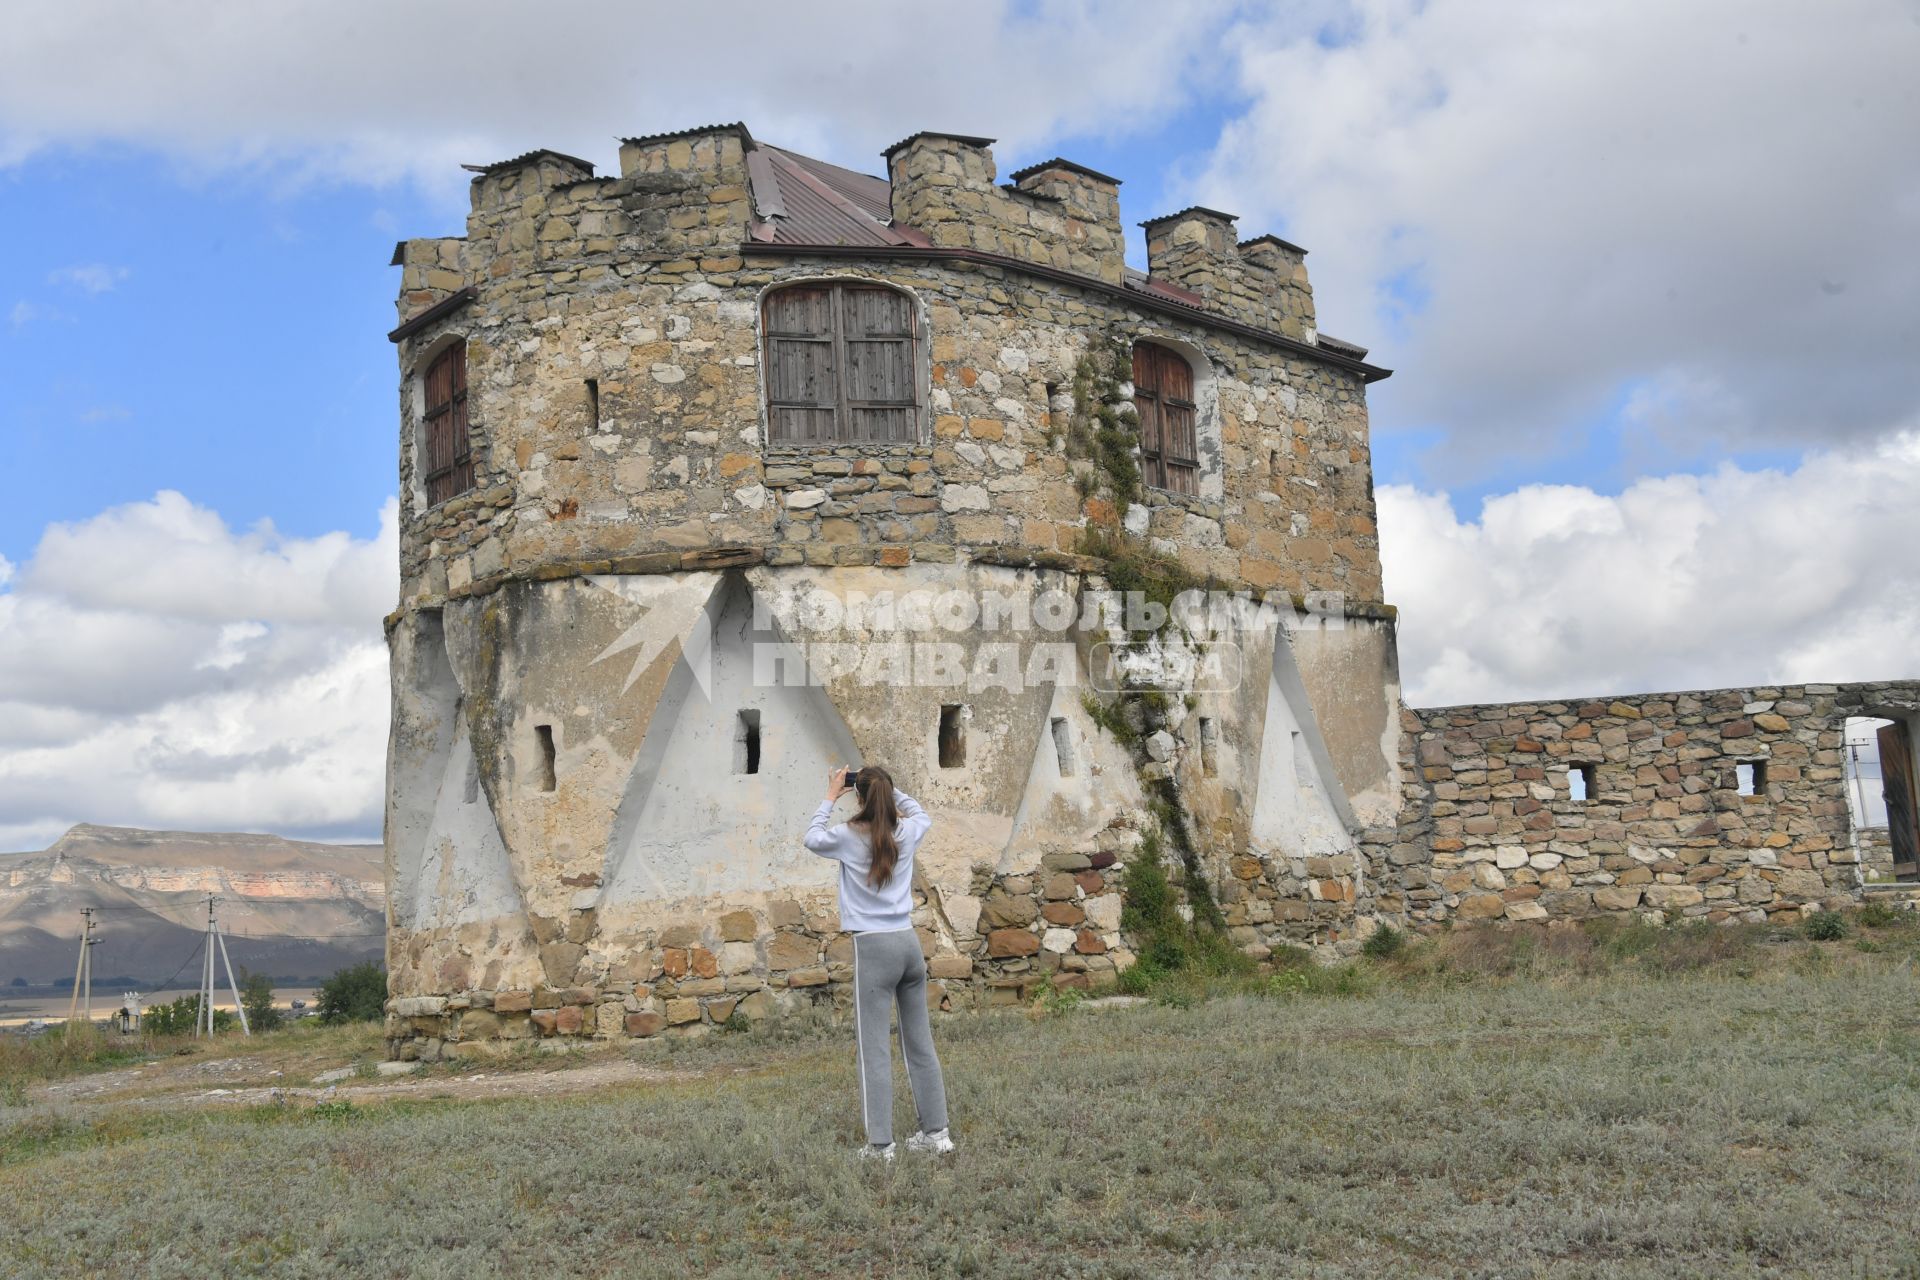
{"points": [[822, 838], [914, 820]]}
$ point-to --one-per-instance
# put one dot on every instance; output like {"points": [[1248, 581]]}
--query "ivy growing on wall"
{"points": [[1103, 435], [1104, 429]]}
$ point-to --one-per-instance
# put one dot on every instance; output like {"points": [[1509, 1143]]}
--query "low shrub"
{"points": [[182, 1016], [256, 996], [355, 994], [1881, 915], [1825, 926], [1384, 943], [1347, 979], [1052, 1001]]}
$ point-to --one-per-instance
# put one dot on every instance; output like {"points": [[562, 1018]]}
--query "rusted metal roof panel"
{"points": [[874, 196], [807, 201], [1141, 282]]}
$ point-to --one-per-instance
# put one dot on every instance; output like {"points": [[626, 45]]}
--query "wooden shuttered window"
{"points": [[1163, 396], [449, 450], [841, 365]]}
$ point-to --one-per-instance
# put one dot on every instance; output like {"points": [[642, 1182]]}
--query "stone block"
{"points": [[1002, 909], [792, 951], [950, 967], [1007, 943], [1062, 913]]}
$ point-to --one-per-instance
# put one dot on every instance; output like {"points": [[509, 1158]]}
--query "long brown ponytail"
{"points": [[879, 816]]}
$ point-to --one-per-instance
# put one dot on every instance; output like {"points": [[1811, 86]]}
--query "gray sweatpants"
{"points": [[888, 969]]}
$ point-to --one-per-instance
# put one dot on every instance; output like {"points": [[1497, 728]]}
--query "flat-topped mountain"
{"points": [[291, 908]]}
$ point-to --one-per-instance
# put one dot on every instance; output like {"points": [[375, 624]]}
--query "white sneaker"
{"points": [[936, 1142], [874, 1152]]}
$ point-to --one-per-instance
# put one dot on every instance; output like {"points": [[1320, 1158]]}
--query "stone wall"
{"points": [[569, 855], [646, 285], [1008, 936], [1490, 830]]}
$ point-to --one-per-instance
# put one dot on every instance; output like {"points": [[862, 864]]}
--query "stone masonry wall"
{"points": [[1013, 934], [616, 411], [1490, 831], [641, 283]]}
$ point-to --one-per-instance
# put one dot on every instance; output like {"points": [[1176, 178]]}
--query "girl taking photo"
{"points": [[875, 851]]}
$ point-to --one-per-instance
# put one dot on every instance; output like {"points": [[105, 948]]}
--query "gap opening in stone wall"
{"points": [[593, 404], [1750, 777], [746, 742], [1063, 745], [1581, 783], [953, 736], [546, 778], [1302, 762], [1210, 745]]}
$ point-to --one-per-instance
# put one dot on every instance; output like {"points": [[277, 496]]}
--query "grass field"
{"points": [[1648, 1103]]}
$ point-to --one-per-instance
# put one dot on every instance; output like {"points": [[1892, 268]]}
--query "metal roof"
{"points": [[911, 138], [803, 201], [1273, 239], [1192, 208], [735, 127], [528, 157], [1020, 175]]}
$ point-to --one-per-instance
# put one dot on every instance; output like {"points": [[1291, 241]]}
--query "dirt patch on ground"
{"points": [[250, 1081]]}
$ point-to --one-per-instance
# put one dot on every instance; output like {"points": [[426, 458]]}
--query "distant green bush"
{"points": [[355, 994], [256, 997], [181, 1016], [1384, 943], [1825, 926], [1880, 915]]}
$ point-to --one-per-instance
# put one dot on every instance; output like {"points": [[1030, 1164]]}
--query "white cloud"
{"points": [[1735, 577], [1709, 207], [158, 668], [375, 92], [91, 277], [21, 314]]}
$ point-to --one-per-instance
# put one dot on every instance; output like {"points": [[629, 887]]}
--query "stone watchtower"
{"points": [[649, 423]]}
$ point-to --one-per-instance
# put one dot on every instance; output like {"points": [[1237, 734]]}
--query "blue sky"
{"points": [[235, 351], [1644, 272]]}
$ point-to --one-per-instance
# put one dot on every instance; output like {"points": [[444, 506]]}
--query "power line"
{"points": [[198, 943], [302, 937]]}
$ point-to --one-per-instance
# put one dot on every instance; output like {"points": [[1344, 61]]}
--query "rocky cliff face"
{"points": [[288, 907]]}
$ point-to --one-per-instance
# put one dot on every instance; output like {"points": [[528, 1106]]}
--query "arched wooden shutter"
{"points": [[449, 448], [841, 365], [1163, 396], [802, 374]]}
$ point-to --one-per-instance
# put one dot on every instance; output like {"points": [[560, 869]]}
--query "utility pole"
{"points": [[83, 971], [208, 974], [238, 1007], [204, 1018]]}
